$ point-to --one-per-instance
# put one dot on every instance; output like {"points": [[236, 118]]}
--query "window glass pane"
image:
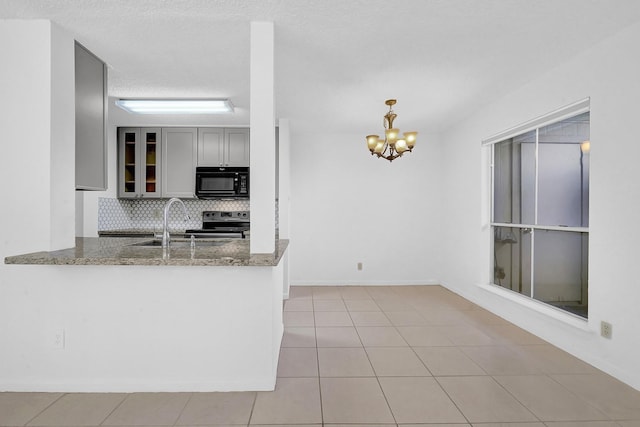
{"points": [[560, 269], [541, 181], [512, 259], [514, 180], [563, 173]]}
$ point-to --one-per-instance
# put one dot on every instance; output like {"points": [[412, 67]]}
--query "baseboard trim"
{"points": [[428, 282], [126, 385]]}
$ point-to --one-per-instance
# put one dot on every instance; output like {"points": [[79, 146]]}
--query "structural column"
{"points": [[262, 140], [37, 172], [284, 198]]}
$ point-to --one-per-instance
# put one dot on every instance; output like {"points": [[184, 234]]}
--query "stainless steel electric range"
{"points": [[222, 224]]}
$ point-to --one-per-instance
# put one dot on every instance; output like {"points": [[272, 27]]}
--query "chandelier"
{"points": [[391, 147]]}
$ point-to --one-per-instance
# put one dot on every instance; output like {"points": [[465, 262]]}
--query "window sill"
{"points": [[540, 307]]}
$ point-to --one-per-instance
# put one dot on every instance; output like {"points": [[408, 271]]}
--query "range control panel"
{"points": [[210, 216]]}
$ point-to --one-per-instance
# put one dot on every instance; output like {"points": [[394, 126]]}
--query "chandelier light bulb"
{"points": [[392, 134], [410, 137], [372, 141], [392, 146]]}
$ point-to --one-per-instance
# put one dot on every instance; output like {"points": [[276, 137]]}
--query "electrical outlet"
{"points": [[58, 339], [157, 214], [606, 329], [359, 266]]}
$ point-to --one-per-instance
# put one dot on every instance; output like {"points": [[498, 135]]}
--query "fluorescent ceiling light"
{"points": [[176, 106]]}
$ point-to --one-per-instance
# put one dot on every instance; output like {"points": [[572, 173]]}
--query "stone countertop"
{"points": [[122, 251], [128, 232], [146, 232]]}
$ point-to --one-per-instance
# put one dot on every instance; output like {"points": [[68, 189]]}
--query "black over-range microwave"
{"points": [[222, 182]]}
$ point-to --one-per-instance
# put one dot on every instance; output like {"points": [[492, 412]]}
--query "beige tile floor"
{"points": [[387, 356]]}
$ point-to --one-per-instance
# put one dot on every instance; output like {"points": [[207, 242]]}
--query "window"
{"points": [[540, 208]]}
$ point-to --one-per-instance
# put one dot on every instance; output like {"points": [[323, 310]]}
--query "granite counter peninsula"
{"points": [[136, 319], [131, 251]]}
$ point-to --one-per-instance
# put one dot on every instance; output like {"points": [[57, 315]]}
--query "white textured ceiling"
{"points": [[336, 60]]}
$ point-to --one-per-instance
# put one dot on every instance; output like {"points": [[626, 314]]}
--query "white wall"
{"points": [[608, 73], [37, 166], [38, 145], [25, 145], [349, 207], [140, 328]]}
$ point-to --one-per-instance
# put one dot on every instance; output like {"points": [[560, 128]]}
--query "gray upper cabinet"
{"points": [[161, 162], [139, 162], [179, 159], [223, 147], [236, 144], [211, 147], [91, 119]]}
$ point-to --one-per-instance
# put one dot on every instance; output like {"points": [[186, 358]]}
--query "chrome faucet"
{"points": [[166, 238]]}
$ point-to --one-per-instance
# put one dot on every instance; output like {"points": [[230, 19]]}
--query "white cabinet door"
{"points": [[179, 159], [210, 147], [236, 144]]}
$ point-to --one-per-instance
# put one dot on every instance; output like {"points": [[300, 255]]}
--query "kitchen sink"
{"points": [[179, 243]]}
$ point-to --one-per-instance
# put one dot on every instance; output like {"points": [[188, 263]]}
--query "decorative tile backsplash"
{"points": [[113, 214], [124, 214]]}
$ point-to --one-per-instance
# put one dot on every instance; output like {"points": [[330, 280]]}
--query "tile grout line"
{"points": [[423, 363], [498, 340], [454, 402], [427, 368], [576, 395], [374, 370], [315, 334], [413, 347], [253, 404], [126, 395], [183, 408], [518, 400], [44, 409], [436, 378]]}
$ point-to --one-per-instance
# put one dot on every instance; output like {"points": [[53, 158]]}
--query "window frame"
{"points": [[556, 116]]}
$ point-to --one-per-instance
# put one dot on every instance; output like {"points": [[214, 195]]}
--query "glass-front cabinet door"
{"points": [[151, 152], [139, 162], [128, 162]]}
